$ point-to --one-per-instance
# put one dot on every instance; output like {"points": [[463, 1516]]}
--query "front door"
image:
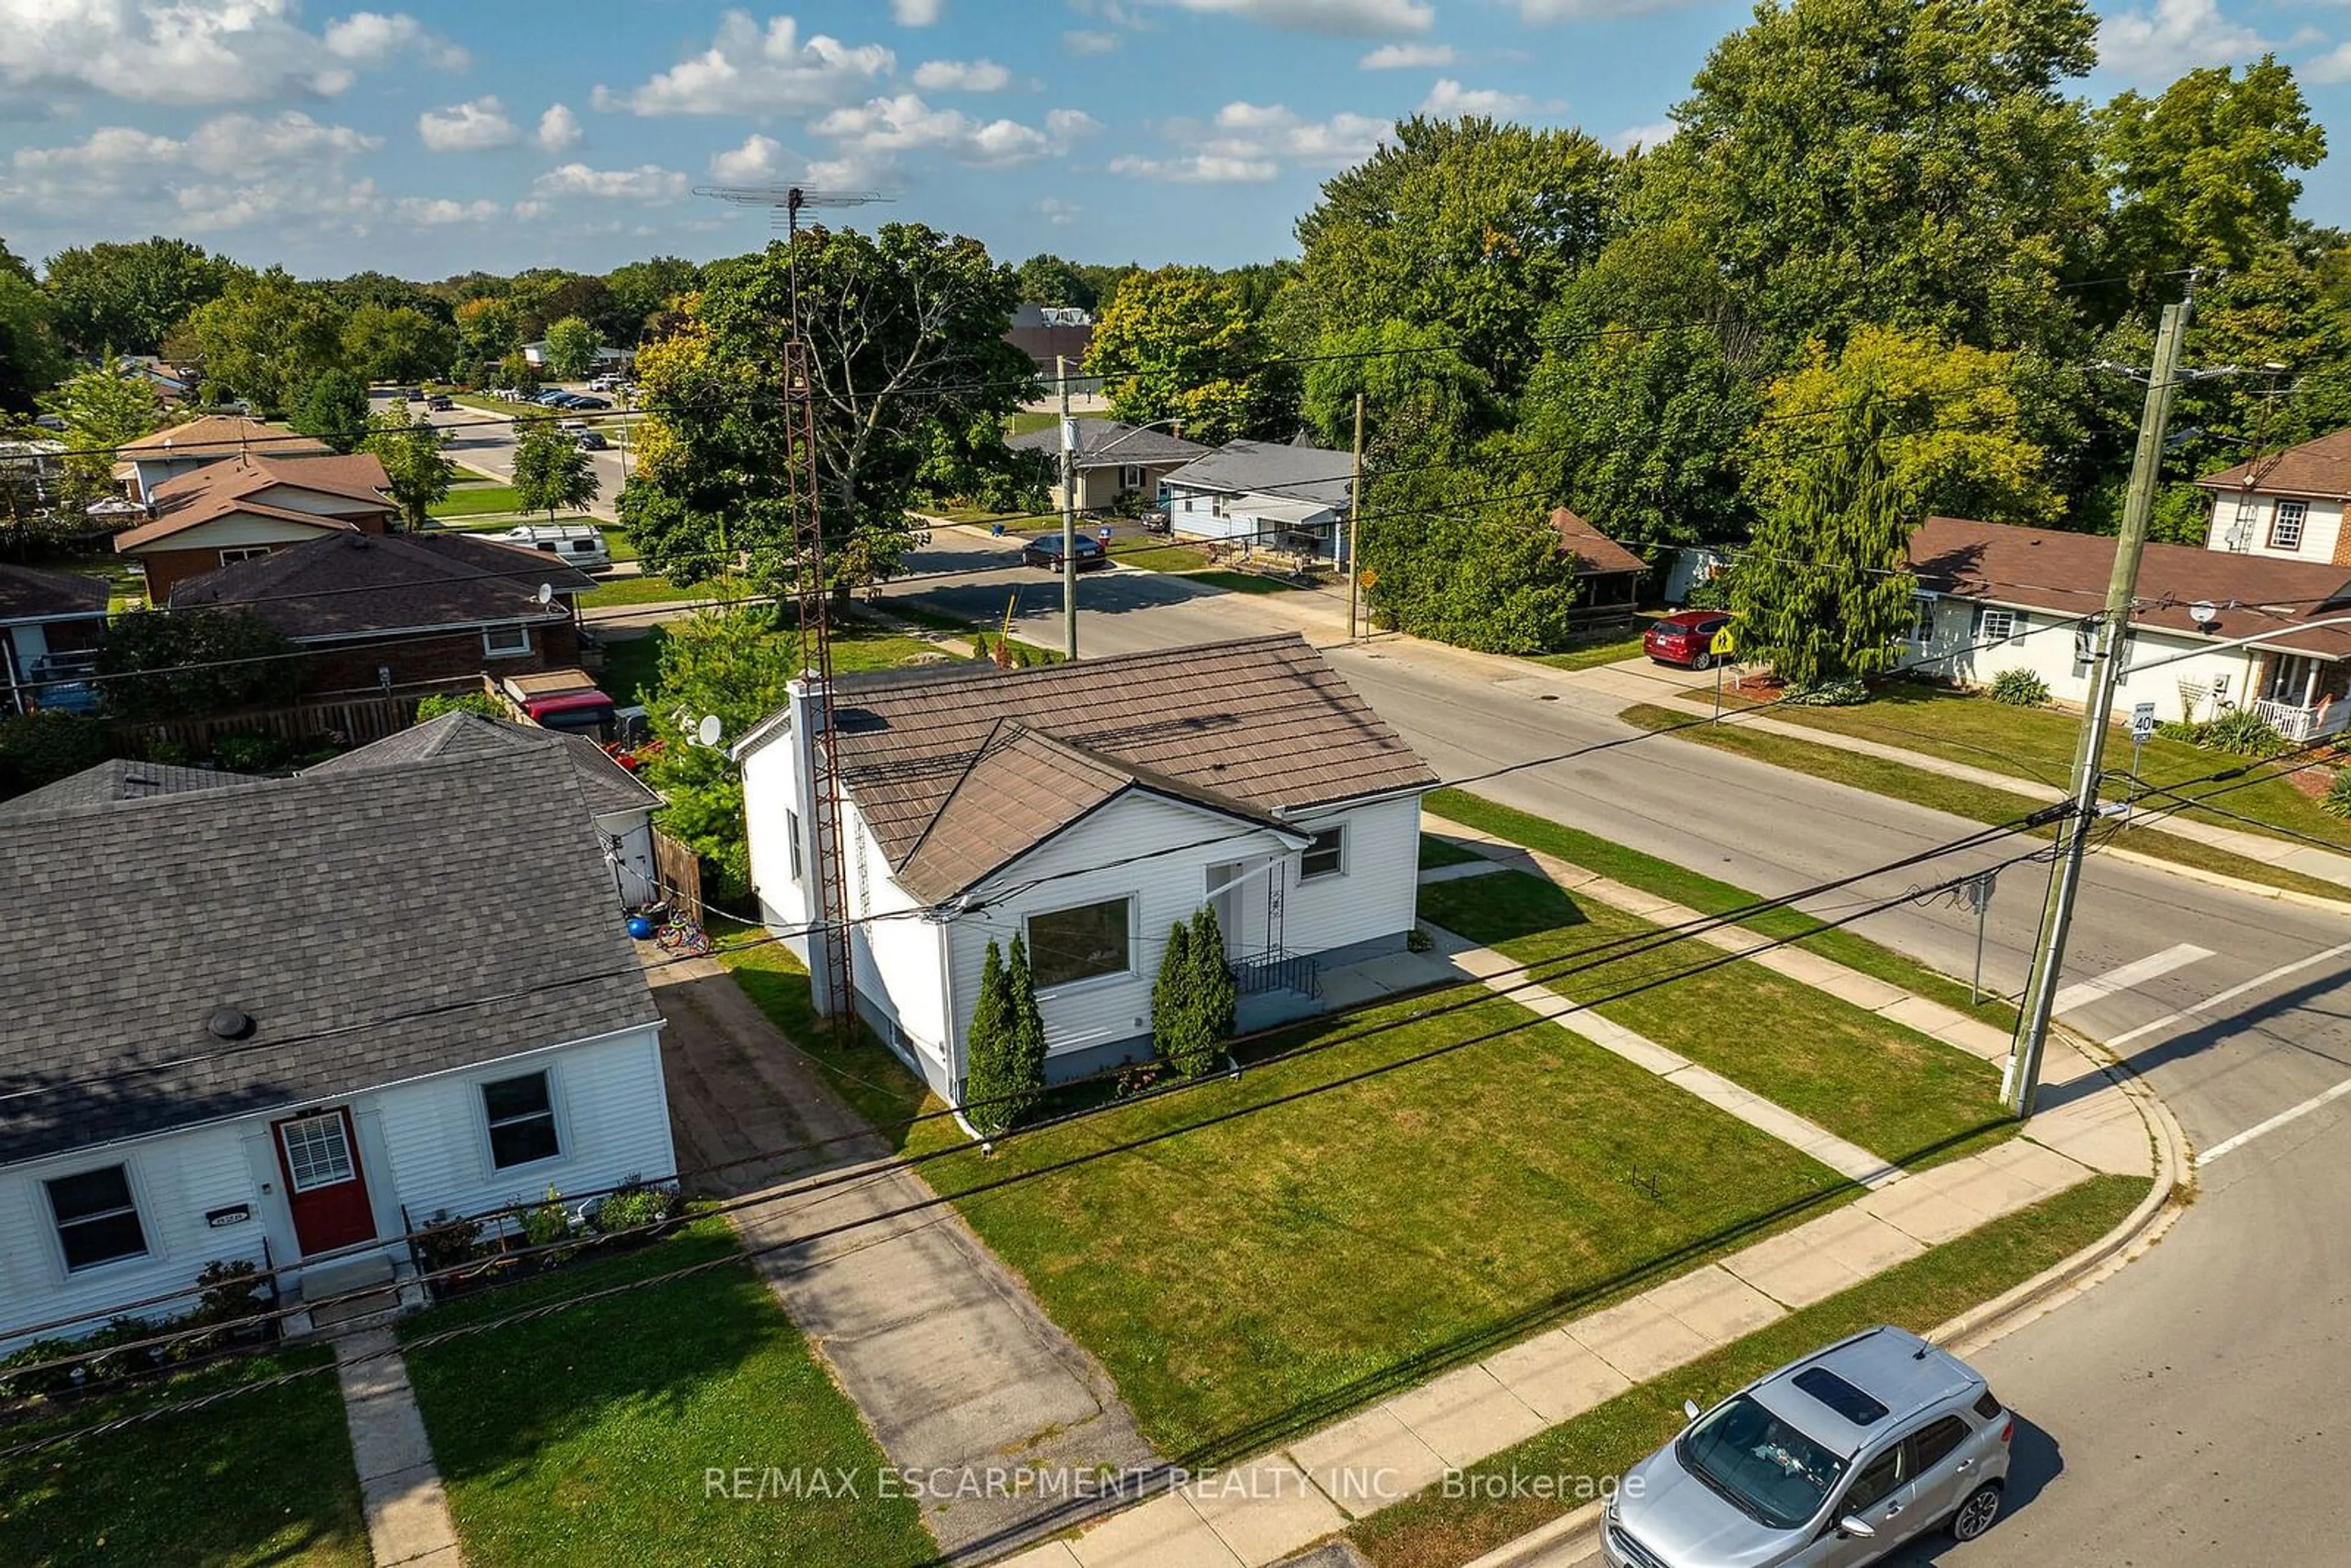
{"points": [[323, 1184]]}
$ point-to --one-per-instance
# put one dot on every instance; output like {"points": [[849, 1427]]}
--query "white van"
{"points": [[578, 544]]}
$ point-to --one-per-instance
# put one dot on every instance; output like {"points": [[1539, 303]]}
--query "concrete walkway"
{"points": [[954, 1367], [400, 1489]]}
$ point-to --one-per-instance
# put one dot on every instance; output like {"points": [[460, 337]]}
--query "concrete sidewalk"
{"points": [[400, 1493]]}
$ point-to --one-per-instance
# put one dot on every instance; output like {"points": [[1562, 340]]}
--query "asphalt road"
{"points": [[484, 442], [2177, 1415]]}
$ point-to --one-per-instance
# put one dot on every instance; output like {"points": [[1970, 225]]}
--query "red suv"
{"points": [[1684, 637]]}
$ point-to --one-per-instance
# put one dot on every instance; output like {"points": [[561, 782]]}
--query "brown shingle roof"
{"points": [[2044, 569], [222, 436], [2320, 468], [30, 593], [356, 477], [349, 584], [1596, 555], [1261, 727]]}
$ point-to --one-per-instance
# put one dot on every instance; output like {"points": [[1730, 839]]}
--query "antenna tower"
{"points": [[830, 928]]}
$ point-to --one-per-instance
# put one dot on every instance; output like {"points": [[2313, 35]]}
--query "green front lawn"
{"points": [[1694, 890], [1590, 655], [1242, 581], [477, 501], [587, 1436], [1162, 557], [1027, 422], [1429, 1530], [1893, 1090], [1247, 1279], [1962, 797], [652, 588], [263, 1478], [1436, 852]]}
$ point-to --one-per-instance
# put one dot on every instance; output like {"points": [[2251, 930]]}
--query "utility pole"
{"points": [[1069, 514], [1355, 513], [2020, 1082]]}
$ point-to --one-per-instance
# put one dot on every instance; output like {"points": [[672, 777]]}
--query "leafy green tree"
{"points": [[1213, 993], [1825, 591], [410, 450], [333, 406], [397, 343], [101, 409], [486, 327], [40, 748], [543, 295], [125, 297], [1445, 557], [644, 289], [1404, 371], [481, 704], [1176, 344], [736, 664], [1047, 279], [31, 359], [1173, 1017], [551, 473], [183, 663], [266, 337], [520, 374], [905, 331], [571, 347]]}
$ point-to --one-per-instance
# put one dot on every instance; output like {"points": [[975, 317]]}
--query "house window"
{"points": [[1216, 506], [1922, 620], [522, 1121], [317, 1153], [1130, 478], [97, 1220], [505, 642], [792, 837], [1997, 625], [2285, 528], [1326, 856], [244, 552], [1066, 945]]}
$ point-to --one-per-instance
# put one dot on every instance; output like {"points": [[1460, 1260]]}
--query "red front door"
{"points": [[323, 1184]]}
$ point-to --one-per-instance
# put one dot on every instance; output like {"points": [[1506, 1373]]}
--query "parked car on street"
{"points": [[552, 398], [1686, 637], [580, 401], [575, 544], [1830, 1462], [590, 441], [1045, 549], [439, 403]]}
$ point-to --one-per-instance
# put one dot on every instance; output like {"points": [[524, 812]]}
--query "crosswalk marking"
{"points": [[2084, 992]]}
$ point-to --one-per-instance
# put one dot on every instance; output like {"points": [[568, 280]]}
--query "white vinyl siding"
{"points": [[1376, 898], [1962, 651], [2290, 527]]}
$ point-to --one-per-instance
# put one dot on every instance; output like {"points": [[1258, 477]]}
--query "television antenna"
{"points": [[785, 203]]}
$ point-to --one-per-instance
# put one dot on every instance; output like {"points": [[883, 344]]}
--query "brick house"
{"points": [[244, 506]]}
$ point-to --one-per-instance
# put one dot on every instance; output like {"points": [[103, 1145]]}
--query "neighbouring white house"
{"points": [[287, 1020], [1115, 460], [619, 805], [1266, 496], [1087, 808], [2287, 506], [1993, 596], [51, 623], [143, 466]]}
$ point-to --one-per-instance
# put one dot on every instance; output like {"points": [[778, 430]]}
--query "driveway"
{"points": [[953, 1365]]}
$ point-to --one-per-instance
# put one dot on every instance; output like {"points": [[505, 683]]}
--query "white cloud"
{"points": [[1351, 18], [1649, 136], [473, 127], [747, 71], [195, 51], [2335, 66], [1197, 168], [962, 75], [1408, 56], [914, 13], [527, 210], [1057, 212], [759, 161], [1082, 41], [903, 123], [1449, 99], [231, 143], [438, 212], [1540, 11], [647, 183], [559, 128], [2177, 35], [235, 171]]}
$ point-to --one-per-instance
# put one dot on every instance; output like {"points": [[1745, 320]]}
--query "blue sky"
{"points": [[506, 133]]}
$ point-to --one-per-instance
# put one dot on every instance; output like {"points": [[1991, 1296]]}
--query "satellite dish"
{"points": [[2203, 613], [706, 733], [546, 593]]}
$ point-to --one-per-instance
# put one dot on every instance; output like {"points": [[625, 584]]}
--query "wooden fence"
{"points": [[348, 720], [678, 870]]}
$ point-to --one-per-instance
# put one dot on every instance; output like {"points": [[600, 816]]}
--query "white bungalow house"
{"points": [[346, 1001], [2287, 506], [1266, 496], [1993, 596], [1087, 808]]}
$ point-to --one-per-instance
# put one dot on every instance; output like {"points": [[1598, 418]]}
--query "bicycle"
{"points": [[683, 935]]}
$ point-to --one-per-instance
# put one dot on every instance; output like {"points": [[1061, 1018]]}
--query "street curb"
{"points": [[2235, 884], [1579, 1532]]}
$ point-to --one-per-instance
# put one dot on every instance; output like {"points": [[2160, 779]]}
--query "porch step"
{"points": [[374, 1310], [320, 1280]]}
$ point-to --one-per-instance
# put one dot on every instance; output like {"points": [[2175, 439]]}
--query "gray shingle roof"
{"points": [[1291, 472], [117, 780], [31, 593], [1111, 444], [1259, 728], [347, 584], [376, 924], [607, 786]]}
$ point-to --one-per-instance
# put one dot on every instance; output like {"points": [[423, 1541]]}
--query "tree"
{"points": [[1213, 993], [551, 473], [1405, 372], [1878, 160], [333, 406], [159, 664], [1027, 1058], [1047, 279], [31, 359], [266, 337], [40, 748], [1824, 594], [644, 289], [410, 452], [124, 297], [905, 333], [101, 409], [737, 665], [571, 347], [1193, 999], [1177, 345], [989, 1092], [487, 328], [1173, 1016], [397, 343]]}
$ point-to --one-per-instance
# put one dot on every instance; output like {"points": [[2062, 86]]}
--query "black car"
{"points": [[590, 441], [580, 400], [1045, 550]]}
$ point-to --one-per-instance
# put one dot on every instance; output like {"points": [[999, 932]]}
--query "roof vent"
{"points": [[228, 1023]]}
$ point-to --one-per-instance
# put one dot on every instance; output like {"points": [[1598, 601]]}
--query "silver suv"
{"points": [[1830, 1461]]}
